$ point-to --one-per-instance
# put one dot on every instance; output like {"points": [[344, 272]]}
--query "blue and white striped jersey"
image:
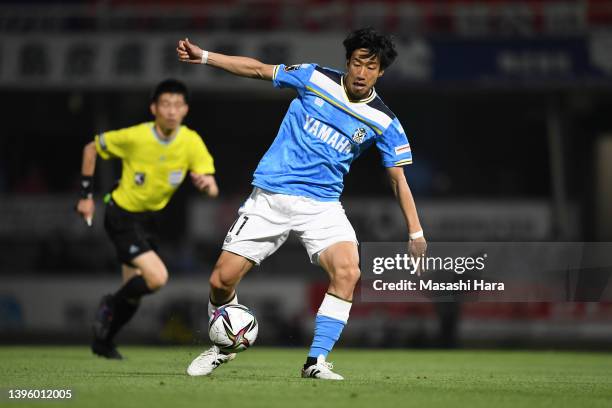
{"points": [[323, 132]]}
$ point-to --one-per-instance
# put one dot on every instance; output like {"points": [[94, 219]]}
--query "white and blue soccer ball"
{"points": [[233, 328]]}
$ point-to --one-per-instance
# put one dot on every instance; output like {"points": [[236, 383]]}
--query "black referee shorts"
{"points": [[131, 233]]}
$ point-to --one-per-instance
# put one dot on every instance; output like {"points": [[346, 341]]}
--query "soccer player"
{"points": [[156, 157], [297, 184]]}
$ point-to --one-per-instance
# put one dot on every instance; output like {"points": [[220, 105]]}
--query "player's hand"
{"points": [[205, 183], [417, 249], [86, 208], [188, 52]]}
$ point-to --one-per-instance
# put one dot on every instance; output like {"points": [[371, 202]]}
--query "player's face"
{"points": [[362, 73], [169, 110]]}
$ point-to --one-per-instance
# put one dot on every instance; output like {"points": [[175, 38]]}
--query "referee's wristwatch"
{"points": [[86, 187]]}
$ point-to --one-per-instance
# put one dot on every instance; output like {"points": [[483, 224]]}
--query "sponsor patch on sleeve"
{"points": [[405, 148]]}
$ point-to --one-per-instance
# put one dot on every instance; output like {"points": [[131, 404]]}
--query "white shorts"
{"points": [[266, 219]]}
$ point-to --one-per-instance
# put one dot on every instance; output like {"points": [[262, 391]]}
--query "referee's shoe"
{"points": [[101, 325]]}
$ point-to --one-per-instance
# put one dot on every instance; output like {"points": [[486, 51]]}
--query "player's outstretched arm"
{"points": [[241, 66], [418, 245], [86, 207]]}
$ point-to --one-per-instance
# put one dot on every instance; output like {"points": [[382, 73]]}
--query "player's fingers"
{"points": [[189, 60]]}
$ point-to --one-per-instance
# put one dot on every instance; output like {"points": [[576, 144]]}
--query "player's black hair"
{"points": [[170, 85], [378, 44]]}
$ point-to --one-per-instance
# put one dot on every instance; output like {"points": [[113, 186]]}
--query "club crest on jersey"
{"points": [[359, 135], [139, 179], [293, 67]]}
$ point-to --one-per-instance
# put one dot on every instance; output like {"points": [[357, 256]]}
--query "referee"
{"points": [[156, 157]]}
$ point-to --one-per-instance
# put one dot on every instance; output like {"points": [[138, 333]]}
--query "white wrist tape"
{"points": [[416, 235], [204, 57]]}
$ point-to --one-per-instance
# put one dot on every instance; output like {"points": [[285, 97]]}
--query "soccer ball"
{"points": [[233, 328]]}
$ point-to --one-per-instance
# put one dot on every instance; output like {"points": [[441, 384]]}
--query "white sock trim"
{"points": [[212, 308], [335, 308]]}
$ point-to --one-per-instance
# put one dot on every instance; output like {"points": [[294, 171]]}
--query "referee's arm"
{"points": [[88, 167], [206, 183], [86, 207]]}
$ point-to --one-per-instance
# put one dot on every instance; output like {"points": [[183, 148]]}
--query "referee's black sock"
{"points": [[123, 311], [135, 288], [125, 304]]}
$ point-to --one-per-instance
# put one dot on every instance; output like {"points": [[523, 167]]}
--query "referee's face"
{"points": [[169, 110], [362, 72]]}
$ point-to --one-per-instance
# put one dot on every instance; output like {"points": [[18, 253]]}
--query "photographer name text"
{"points": [[431, 285]]}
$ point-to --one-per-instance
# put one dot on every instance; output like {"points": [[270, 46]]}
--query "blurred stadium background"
{"points": [[506, 103]]}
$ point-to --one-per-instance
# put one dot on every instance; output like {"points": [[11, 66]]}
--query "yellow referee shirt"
{"points": [[152, 168]]}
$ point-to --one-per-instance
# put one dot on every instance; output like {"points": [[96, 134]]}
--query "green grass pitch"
{"points": [[266, 377]]}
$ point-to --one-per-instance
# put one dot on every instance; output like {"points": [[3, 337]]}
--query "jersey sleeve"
{"points": [[292, 76], [114, 143], [393, 146], [201, 161]]}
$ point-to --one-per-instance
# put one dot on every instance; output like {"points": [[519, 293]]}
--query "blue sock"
{"points": [[327, 333]]}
